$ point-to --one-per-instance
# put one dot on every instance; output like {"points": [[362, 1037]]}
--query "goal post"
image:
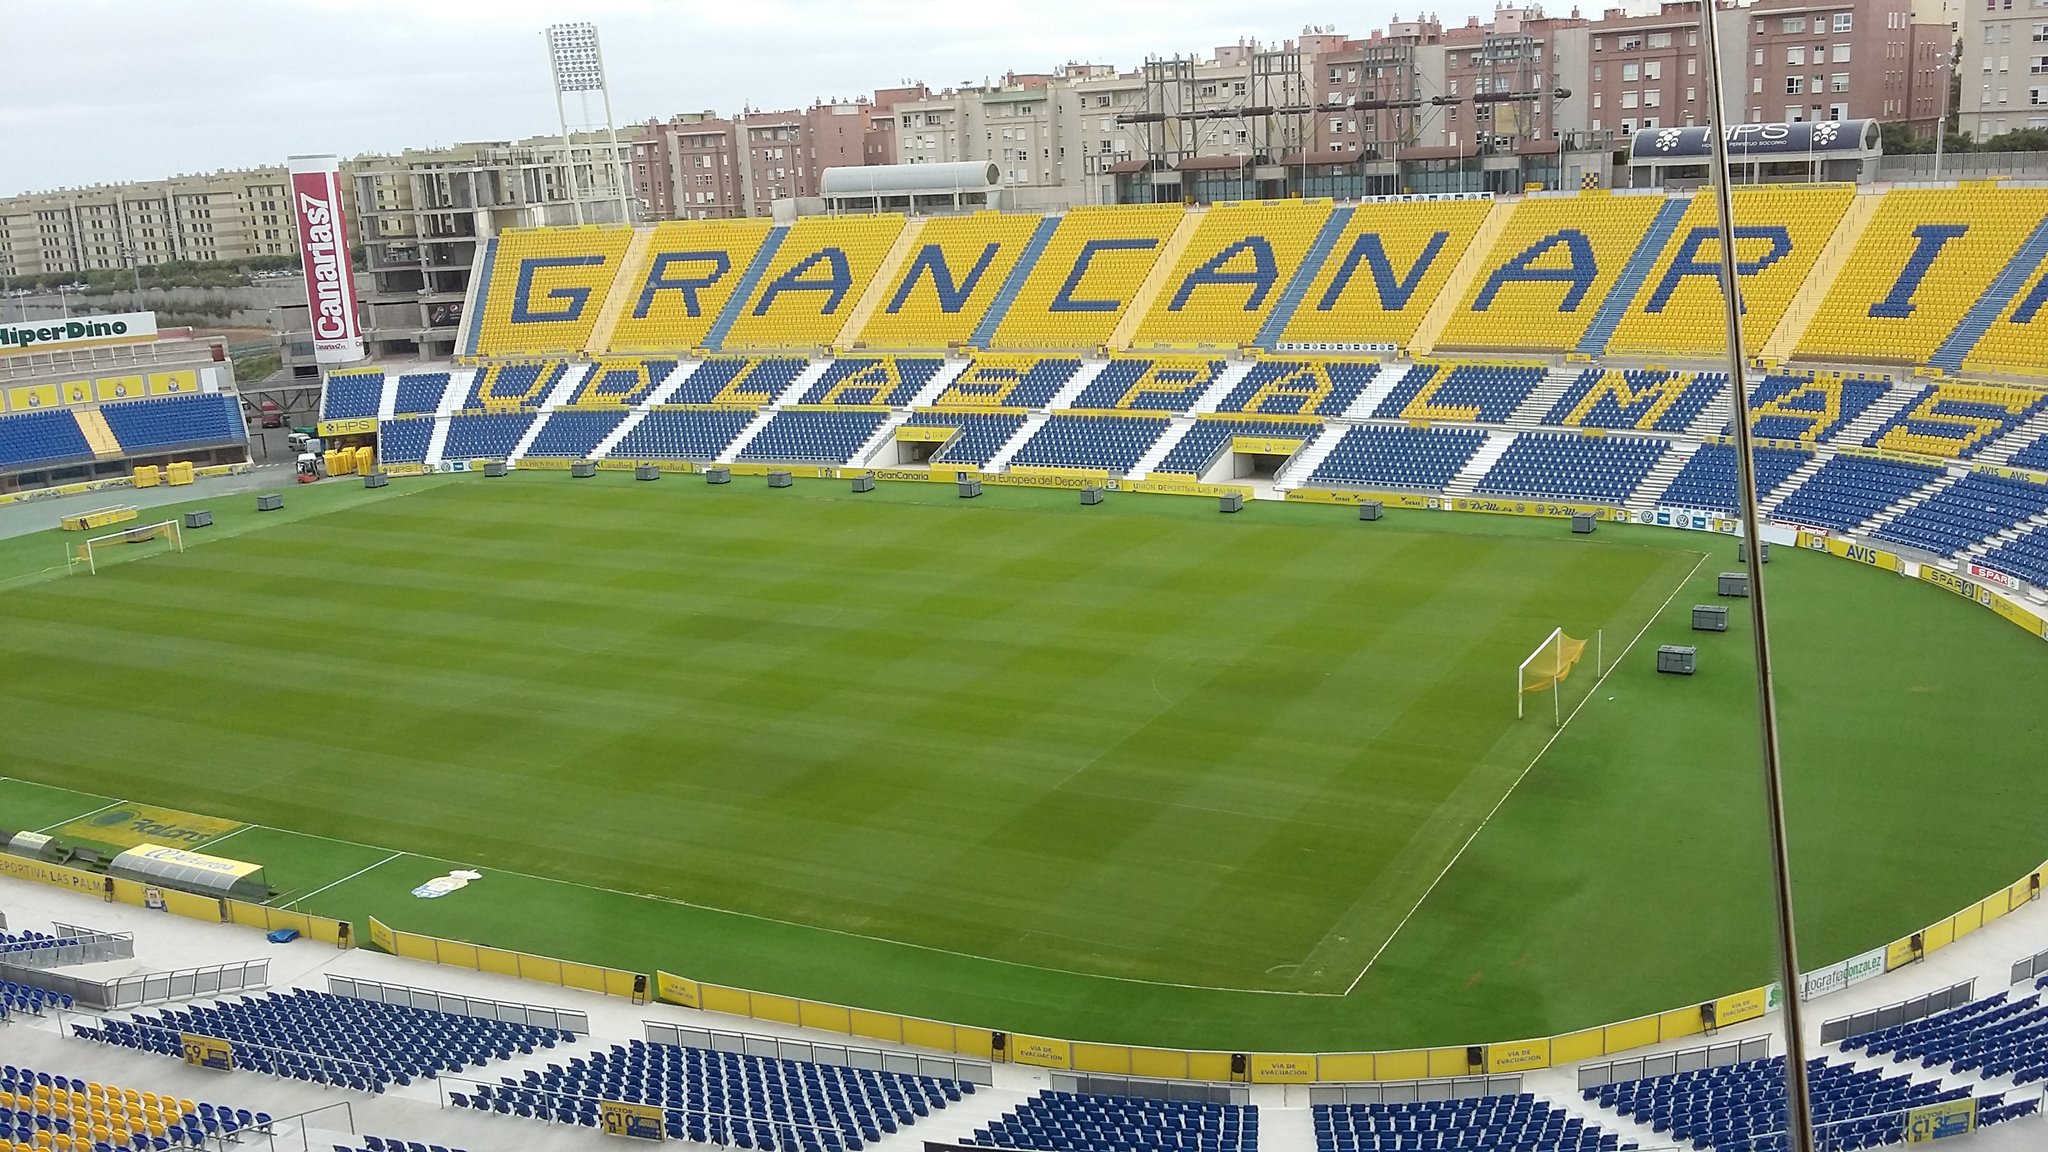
{"points": [[89, 553], [1550, 664]]}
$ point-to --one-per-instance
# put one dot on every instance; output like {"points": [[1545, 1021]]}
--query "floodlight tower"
{"points": [[576, 65]]}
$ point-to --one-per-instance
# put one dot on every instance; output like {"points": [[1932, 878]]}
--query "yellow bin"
{"points": [[146, 476]]}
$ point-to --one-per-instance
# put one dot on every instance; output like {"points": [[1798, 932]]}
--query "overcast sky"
{"points": [[137, 89]]}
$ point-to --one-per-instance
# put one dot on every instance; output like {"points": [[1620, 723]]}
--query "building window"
{"points": [[1839, 82], [1796, 54], [1659, 40], [1792, 24], [1841, 53], [1795, 85], [1653, 70], [1630, 72], [1842, 21]]}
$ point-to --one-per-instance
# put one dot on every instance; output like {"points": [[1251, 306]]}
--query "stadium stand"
{"points": [[1300, 387], [163, 423], [951, 279], [2025, 557], [1232, 273], [1383, 271], [388, 1144], [2034, 455], [1485, 393], [351, 395], [1995, 1036], [1552, 268], [813, 435], [543, 288], [1207, 439], [995, 380], [812, 282], [484, 435], [1088, 274], [2011, 343], [726, 1097], [330, 1039], [682, 434], [41, 1112], [33, 1001], [739, 381], [1741, 1107], [569, 433], [689, 276], [1158, 384], [1560, 466], [1851, 489], [1810, 406], [978, 435], [1638, 399], [1974, 508], [404, 440], [1083, 440], [1520, 1122], [1055, 1121], [863, 381], [1397, 456], [1780, 232], [1708, 479], [1953, 420], [621, 383], [419, 393], [511, 387], [1927, 257], [42, 439]]}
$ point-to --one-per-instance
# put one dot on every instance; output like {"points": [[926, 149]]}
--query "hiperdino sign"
{"points": [[77, 332]]}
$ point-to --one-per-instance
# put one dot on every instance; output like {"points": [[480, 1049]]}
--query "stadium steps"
{"points": [[743, 293], [1717, 418], [2027, 527], [794, 394], [1768, 501], [1894, 401], [1154, 284], [457, 391], [525, 444], [1658, 479], [1482, 462], [1025, 432], [985, 330], [98, 433], [1383, 384], [563, 391], [880, 285], [387, 400], [1452, 294], [1177, 428], [632, 267], [1833, 255], [1530, 413], [2001, 450], [1302, 467], [1900, 507], [1985, 312], [1633, 274], [746, 436], [1304, 276], [669, 387], [471, 331], [1064, 398], [940, 381], [1226, 382], [883, 437], [437, 442], [604, 447]]}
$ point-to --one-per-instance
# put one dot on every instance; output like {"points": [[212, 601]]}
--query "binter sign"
{"points": [[323, 250]]}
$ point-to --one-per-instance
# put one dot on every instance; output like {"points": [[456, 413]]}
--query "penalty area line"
{"points": [[344, 879], [1526, 769]]}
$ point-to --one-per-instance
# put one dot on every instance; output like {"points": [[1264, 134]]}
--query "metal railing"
{"points": [[816, 1052], [68, 950], [1147, 1088], [1891, 1015], [538, 1016], [370, 1073], [1413, 1091], [2028, 967], [787, 1133], [144, 988], [1667, 1063]]}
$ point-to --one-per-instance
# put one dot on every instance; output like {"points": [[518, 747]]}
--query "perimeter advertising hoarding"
{"points": [[323, 251]]}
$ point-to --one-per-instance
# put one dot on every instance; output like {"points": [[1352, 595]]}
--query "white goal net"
{"points": [[142, 540]]}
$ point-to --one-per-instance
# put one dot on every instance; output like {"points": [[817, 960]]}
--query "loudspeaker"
{"points": [[639, 983], [2034, 884], [1707, 1014], [341, 935], [1475, 1056], [998, 1042], [1239, 1064], [1918, 945]]}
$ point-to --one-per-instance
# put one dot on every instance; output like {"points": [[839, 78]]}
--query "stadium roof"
{"points": [[884, 179]]}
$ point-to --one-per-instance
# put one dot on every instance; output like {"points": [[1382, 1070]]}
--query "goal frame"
{"points": [[85, 556], [1556, 695]]}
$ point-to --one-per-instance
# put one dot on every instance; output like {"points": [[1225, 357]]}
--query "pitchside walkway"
{"points": [[165, 942]]}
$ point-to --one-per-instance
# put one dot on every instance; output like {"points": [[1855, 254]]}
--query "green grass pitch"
{"points": [[1138, 773]]}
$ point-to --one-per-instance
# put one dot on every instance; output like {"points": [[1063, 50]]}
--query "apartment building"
{"points": [[1828, 61], [2003, 67], [227, 216]]}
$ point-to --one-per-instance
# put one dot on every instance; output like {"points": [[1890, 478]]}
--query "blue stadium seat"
{"points": [[165, 423], [682, 434], [1564, 467], [2034, 455], [1994, 1036], [727, 1098], [1521, 1122], [1198, 449], [1067, 440], [404, 441], [1301, 387], [2025, 557], [419, 392], [739, 380], [1091, 1122], [813, 435], [978, 436], [1485, 393], [574, 433], [1708, 479], [485, 435], [41, 440], [1973, 508], [1397, 456], [156, 1123], [1851, 489], [870, 380], [351, 395]]}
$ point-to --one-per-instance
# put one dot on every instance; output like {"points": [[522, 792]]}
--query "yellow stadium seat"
{"points": [[807, 292], [545, 288], [1232, 274], [953, 274], [685, 280], [1928, 255], [1420, 243], [1955, 418], [1064, 304], [1543, 283], [2017, 342], [1682, 314]]}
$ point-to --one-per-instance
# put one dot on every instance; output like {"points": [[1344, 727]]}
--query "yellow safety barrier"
{"points": [[504, 962], [101, 517], [212, 909]]}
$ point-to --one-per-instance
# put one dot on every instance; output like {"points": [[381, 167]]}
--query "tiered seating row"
{"points": [[1557, 466], [1708, 479], [1519, 1122], [41, 1112], [1397, 456], [1071, 1122], [1851, 489], [1974, 508], [165, 423], [41, 440]]}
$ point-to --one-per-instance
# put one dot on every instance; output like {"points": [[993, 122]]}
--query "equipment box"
{"points": [[1230, 502], [494, 468], [1370, 509], [1582, 525], [1677, 658], [198, 518], [583, 469], [1091, 495], [1710, 617], [269, 502], [646, 472], [1742, 551], [1734, 584], [863, 483], [780, 478], [718, 475], [970, 487]]}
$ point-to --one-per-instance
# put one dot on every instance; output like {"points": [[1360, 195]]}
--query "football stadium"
{"points": [[1131, 677]]}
